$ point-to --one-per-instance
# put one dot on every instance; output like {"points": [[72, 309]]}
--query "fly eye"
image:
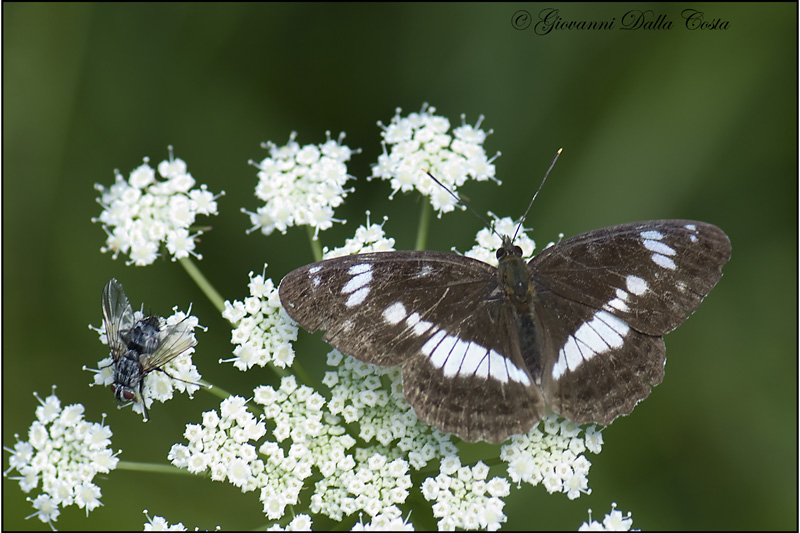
{"points": [[113, 387], [128, 395]]}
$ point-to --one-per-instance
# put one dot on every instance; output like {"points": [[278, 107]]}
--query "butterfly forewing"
{"points": [[438, 315], [607, 297], [484, 351], [653, 273]]}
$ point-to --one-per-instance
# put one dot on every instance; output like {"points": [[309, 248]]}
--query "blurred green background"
{"points": [[667, 123]]}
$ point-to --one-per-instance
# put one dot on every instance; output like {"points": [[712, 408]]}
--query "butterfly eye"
{"points": [[501, 253], [518, 251]]}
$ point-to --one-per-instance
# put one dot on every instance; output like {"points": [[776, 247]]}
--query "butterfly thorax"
{"points": [[514, 276]]}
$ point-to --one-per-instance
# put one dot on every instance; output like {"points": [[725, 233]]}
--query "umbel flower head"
{"points": [[301, 185], [143, 213], [61, 458], [420, 142]]}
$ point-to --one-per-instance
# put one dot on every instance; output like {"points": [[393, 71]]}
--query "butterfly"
{"points": [[486, 351], [139, 347]]}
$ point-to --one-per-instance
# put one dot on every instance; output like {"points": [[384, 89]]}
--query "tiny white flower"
{"points": [[614, 521], [158, 523]]}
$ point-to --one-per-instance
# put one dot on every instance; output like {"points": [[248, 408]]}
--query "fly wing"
{"points": [[117, 316], [175, 340]]}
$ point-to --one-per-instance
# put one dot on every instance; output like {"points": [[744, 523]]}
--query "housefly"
{"points": [[139, 346]]}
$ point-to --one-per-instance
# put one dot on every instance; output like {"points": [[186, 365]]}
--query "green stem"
{"points": [[205, 286], [214, 390], [152, 467], [316, 247], [424, 224]]}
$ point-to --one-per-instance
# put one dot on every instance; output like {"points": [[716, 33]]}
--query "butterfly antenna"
{"points": [[537, 192], [460, 201]]}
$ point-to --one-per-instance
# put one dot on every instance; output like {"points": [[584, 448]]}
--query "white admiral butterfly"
{"points": [[484, 350]]}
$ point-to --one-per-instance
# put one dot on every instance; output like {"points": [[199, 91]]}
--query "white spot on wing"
{"points": [[603, 333], [652, 234], [619, 328], [693, 229], [457, 357], [636, 285], [658, 247], [441, 353], [618, 303], [359, 269], [313, 270], [473, 358], [357, 281], [419, 326], [430, 345], [357, 297], [663, 261], [394, 313]]}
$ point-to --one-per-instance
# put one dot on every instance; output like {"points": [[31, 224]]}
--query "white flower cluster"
{"points": [[488, 241], [63, 453], [301, 185], [348, 484], [464, 498], [375, 486], [143, 212], [553, 457], [613, 521], [369, 238], [227, 445], [262, 331], [384, 417], [421, 142], [222, 446], [158, 385]]}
